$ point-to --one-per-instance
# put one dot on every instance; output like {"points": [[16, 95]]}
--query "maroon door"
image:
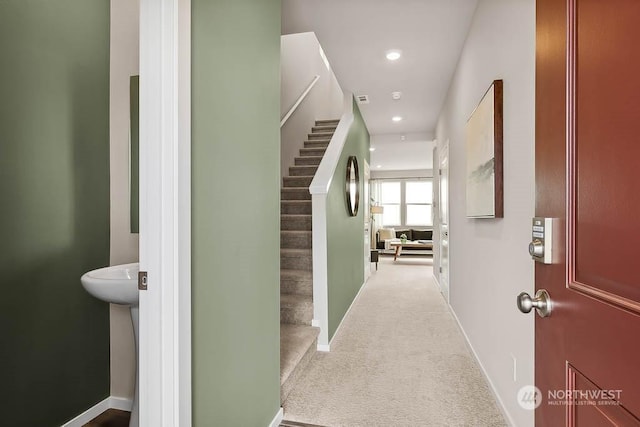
{"points": [[588, 176]]}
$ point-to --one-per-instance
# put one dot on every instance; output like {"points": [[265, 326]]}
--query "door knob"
{"points": [[541, 302]]}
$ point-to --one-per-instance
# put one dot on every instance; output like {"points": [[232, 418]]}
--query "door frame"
{"points": [[443, 154], [366, 191], [164, 354]]}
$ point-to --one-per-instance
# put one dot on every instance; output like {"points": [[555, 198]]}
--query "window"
{"points": [[406, 202], [390, 199], [418, 198]]}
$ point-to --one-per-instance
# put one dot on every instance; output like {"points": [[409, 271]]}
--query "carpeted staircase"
{"points": [[298, 339]]}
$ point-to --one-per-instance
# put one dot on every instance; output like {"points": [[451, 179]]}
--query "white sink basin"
{"points": [[117, 284]]}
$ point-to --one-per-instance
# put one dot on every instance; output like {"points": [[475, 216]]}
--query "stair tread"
{"points": [[308, 149], [293, 281], [301, 205], [285, 273], [302, 181], [290, 299], [295, 342], [296, 222], [295, 251]]}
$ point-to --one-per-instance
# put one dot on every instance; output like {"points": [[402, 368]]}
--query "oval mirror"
{"points": [[353, 186]]}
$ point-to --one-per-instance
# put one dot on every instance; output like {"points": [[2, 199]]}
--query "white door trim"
{"points": [[444, 277], [165, 213], [366, 175]]}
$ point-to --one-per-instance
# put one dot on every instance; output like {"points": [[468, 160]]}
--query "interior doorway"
{"points": [[366, 175], [443, 219]]}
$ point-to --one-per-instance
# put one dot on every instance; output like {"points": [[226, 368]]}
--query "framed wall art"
{"points": [[484, 156]]}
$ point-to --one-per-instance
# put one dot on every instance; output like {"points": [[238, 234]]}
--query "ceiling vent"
{"points": [[363, 99]]}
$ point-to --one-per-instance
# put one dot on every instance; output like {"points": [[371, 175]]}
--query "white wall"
{"points": [[399, 174], [125, 16], [301, 59], [489, 260]]}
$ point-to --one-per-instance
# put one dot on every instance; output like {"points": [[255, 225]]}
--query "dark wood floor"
{"points": [[110, 418], [286, 423]]}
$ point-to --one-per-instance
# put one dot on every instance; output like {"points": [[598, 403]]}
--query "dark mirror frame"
{"points": [[134, 152], [352, 166]]}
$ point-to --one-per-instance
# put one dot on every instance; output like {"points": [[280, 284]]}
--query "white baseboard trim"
{"points": [[325, 348], [89, 414], [121, 403], [277, 419], [435, 279], [110, 402], [492, 387], [347, 313]]}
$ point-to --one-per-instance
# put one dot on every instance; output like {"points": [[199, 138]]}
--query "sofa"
{"points": [[385, 235]]}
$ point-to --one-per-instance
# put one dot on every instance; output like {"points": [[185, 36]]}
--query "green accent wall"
{"points": [[54, 220], [236, 212], [345, 234]]}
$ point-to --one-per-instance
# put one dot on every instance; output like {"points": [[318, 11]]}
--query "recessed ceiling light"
{"points": [[402, 138], [372, 149], [396, 118], [393, 55], [379, 166], [396, 95]]}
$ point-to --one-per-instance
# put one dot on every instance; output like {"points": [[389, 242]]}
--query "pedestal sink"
{"points": [[118, 285]]}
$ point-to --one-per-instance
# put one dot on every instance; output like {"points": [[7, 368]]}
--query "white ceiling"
{"points": [[415, 152], [356, 34]]}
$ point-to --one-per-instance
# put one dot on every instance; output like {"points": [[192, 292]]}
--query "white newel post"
{"points": [[319, 189]]}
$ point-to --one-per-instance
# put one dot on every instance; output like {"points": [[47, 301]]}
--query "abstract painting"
{"points": [[484, 156]]}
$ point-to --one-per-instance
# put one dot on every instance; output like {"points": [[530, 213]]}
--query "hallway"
{"points": [[398, 359]]}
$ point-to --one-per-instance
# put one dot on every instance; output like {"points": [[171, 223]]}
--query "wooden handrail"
{"points": [[299, 101]]}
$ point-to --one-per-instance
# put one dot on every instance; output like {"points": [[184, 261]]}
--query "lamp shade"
{"points": [[377, 209]]}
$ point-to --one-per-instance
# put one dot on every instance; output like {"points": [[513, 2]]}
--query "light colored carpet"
{"points": [[398, 360]]}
